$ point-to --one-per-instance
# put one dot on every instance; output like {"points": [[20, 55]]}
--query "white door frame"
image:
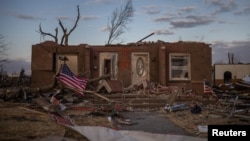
{"points": [[140, 67], [113, 57]]}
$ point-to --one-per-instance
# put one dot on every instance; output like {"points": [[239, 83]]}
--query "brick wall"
{"points": [[88, 60]]}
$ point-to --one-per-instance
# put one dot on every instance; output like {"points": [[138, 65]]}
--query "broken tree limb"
{"points": [[88, 91], [174, 92], [96, 94], [34, 111]]}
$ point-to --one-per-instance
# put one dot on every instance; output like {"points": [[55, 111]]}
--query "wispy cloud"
{"points": [[63, 18], [100, 1], [244, 11], [90, 17], [162, 19], [187, 9], [15, 66], [233, 44], [163, 32], [191, 21], [223, 6], [151, 9], [165, 18], [240, 49], [26, 17], [239, 44], [104, 29]]}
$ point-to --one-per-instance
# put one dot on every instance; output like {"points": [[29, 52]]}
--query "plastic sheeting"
{"points": [[246, 79], [95, 133]]}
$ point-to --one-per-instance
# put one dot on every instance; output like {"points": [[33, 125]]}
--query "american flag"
{"points": [[72, 81], [209, 91]]}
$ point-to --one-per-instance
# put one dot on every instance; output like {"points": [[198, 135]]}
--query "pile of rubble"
{"points": [[42, 110]]}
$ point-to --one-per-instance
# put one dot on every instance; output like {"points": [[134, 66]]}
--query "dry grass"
{"points": [[19, 124]]}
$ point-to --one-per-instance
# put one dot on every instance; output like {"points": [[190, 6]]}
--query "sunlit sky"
{"points": [[225, 24]]}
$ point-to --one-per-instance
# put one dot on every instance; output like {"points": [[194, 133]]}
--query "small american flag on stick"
{"points": [[69, 79]]}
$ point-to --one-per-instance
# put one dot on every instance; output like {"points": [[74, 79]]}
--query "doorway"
{"points": [[108, 64], [140, 67], [227, 77]]}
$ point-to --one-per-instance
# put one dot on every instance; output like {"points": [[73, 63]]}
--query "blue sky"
{"points": [[225, 24]]}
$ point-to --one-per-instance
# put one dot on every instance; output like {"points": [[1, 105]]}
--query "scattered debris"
{"points": [[102, 133], [176, 107], [203, 128], [57, 103], [111, 86], [196, 109]]}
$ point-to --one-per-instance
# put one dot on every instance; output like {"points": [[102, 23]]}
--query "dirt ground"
{"points": [[20, 121]]}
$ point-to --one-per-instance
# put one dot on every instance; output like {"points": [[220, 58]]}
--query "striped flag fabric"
{"points": [[54, 101], [69, 79]]}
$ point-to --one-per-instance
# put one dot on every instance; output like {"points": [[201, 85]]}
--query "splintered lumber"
{"points": [[34, 111], [96, 94], [44, 104], [174, 93]]}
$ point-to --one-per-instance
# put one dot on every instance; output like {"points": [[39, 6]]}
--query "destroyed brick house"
{"points": [[185, 64], [230, 73]]}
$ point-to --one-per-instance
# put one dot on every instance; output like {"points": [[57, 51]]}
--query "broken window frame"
{"points": [[179, 70]]}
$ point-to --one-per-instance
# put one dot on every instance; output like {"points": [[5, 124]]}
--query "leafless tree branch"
{"points": [[64, 30], [65, 36], [119, 20], [77, 19], [49, 34]]}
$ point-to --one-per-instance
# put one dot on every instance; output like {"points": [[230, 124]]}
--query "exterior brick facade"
{"points": [[157, 59]]}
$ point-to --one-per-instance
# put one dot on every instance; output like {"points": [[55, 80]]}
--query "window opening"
{"points": [[180, 67]]}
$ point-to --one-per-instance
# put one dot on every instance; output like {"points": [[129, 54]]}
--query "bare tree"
{"points": [[119, 20], [65, 36], [49, 34], [3, 48]]}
